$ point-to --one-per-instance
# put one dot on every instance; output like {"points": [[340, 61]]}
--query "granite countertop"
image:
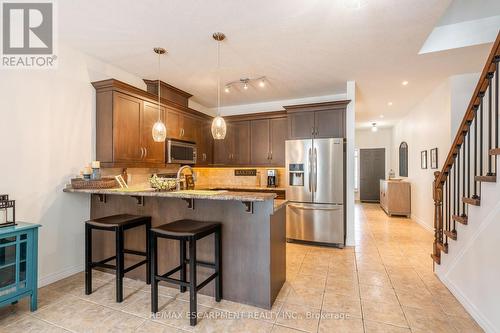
{"points": [[222, 195], [241, 187]]}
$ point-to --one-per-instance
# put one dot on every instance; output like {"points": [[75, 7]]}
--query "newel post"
{"points": [[438, 217]]}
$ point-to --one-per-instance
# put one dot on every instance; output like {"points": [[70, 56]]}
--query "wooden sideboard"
{"points": [[395, 197]]}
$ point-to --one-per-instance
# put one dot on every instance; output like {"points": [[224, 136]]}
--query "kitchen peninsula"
{"points": [[253, 235]]}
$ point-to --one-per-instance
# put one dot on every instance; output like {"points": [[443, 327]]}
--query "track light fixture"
{"points": [[245, 83]]}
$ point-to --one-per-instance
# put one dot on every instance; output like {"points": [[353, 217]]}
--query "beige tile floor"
{"points": [[384, 284]]}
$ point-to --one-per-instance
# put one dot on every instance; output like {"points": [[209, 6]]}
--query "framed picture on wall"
{"points": [[434, 158], [423, 159]]}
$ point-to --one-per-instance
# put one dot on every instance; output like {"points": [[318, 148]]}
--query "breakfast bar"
{"points": [[253, 236]]}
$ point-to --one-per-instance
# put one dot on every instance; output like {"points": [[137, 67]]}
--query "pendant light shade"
{"points": [[159, 130], [218, 123], [219, 128]]}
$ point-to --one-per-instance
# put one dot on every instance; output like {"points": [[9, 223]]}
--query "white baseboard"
{"points": [[51, 278], [422, 223], [485, 324]]}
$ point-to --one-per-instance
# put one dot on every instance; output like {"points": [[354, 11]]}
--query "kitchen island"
{"points": [[253, 236]]}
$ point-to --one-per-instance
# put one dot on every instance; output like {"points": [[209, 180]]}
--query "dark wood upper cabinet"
{"points": [[204, 142], [329, 123], [154, 152], [124, 120], [126, 113], [241, 143], [260, 152], [278, 128], [301, 125], [318, 120]]}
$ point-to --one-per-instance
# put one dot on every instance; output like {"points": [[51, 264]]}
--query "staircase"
{"points": [[471, 163]]}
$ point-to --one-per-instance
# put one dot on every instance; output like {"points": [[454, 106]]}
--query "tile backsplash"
{"points": [[225, 176], [204, 176]]}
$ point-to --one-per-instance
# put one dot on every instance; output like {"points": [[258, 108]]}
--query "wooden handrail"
{"points": [[481, 87]]}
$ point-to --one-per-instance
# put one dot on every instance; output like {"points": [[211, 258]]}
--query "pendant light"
{"points": [[159, 130], [218, 123]]}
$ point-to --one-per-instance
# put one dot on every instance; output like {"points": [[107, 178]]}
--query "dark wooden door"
{"points": [[371, 171], [329, 124], [260, 151], [241, 143], [154, 151], [300, 125], [127, 112], [278, 127]]}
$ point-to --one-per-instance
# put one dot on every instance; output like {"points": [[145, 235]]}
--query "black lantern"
{"points": [[7, 205]]}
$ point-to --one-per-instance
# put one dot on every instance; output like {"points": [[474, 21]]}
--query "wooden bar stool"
{"points": [[118, 224], [186, 231]]}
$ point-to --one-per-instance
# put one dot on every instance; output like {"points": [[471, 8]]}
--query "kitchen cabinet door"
{"points": [[278, 127], [204, 143], [330, 124], [188, 128], [241, 143], [223, 148], [300, 125], [154, 152], [173, 124], [260, 151], [127, 112]]}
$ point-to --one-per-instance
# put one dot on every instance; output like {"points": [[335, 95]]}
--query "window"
{"points": [[356, 170], [403, 159]]}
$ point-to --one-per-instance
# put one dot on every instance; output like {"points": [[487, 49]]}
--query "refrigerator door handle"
{"points": [[314, 208], [310, 170], [315, 158]]}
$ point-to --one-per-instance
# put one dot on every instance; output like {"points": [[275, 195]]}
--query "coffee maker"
{"points": [[272, 178]]}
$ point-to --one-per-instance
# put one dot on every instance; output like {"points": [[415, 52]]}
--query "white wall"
{"points": [[366, 139], [425, 127], [350, 138], [471, 269], [461, 90], [47, 130]]}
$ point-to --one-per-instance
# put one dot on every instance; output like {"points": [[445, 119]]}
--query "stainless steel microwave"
{"points": [[181, 152]]}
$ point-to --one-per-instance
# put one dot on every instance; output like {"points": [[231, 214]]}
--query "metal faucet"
{"points": [[179, 172]]}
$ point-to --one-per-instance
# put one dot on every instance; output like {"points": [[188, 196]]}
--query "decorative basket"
{"points": [[161, 184], [81, 184]]}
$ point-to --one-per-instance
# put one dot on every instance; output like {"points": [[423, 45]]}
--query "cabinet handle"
{"points": [[271, 156], [145, 152], [182, 131], [204, 157], [312, 130], [142, 153]]}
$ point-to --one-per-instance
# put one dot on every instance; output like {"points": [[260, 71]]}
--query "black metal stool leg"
{"points": [[154, 272], [148, 254], [88, 259], [119, 264], [192, 282], [218, 258], [182, 255]]}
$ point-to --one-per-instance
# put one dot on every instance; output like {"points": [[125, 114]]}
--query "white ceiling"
{"points": [[304, 48]]}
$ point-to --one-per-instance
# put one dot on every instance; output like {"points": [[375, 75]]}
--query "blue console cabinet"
{"points": [[19, 263]]}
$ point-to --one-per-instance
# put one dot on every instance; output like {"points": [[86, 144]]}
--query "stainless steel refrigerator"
{"points": [[316, 191]]}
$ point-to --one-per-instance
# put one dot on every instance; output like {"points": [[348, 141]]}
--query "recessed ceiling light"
{"points": [[389, 104], [404, 83], [381, 116], [226, 89], [262, 83]]}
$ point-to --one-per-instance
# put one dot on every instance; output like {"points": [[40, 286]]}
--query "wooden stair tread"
{"points": [[472, 201], [495, 151], [460, 219], [443, 247], [486, 179], [436, 259], [451, 234]]}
